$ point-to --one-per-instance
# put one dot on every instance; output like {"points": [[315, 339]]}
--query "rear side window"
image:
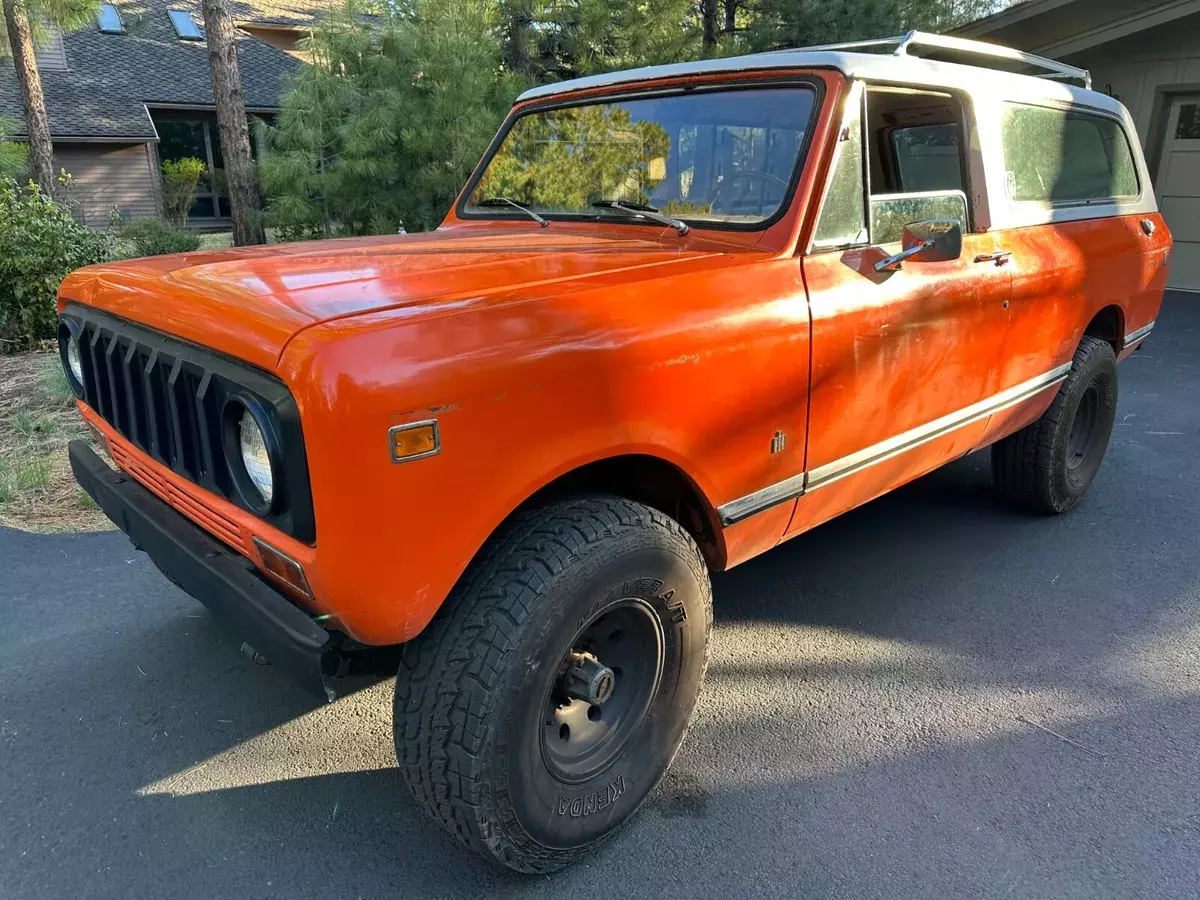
{"points": [[1063, 156]]}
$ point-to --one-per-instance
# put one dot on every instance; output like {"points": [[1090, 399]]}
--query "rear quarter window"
{"points": [[1059, 156]]}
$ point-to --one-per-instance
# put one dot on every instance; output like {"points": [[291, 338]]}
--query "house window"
{"points": [[185, 25], [109, 19], [179, 138]]}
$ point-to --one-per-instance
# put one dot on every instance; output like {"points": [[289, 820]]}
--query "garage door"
{"points": [[1179, 190]]}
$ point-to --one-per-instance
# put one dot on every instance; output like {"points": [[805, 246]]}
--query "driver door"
{"points": [[903, 360]]}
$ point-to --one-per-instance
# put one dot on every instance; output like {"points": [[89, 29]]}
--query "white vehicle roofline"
{"points": [[898, 68]]}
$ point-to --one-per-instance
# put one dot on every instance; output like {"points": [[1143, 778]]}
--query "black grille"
{"points": [[167, 397]]}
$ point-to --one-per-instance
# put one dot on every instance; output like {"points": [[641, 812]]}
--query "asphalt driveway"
{"points": [[934, 696]]}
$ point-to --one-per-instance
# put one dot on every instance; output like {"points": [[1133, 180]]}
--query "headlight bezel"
{"points": [[237, 406], [68, 335]]}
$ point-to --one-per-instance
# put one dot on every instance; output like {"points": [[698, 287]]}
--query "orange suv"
{"points": [[677, 316]]}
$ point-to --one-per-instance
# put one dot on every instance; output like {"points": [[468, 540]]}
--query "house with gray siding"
{"points": [[1146, 53], [134, 89]]}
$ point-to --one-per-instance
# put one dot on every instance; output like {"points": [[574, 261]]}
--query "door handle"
{"points": [[893, 262], [999, 257]]}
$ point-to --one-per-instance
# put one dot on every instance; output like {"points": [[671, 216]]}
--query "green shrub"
{"points": [[180, 178], [40, 244], [152, 237]]}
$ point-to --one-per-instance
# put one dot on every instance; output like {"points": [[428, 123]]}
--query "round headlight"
{"points": [[74, 360], [255, 457]]}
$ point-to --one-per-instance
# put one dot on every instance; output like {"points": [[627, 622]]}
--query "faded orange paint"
{"points": [[542, 350]]}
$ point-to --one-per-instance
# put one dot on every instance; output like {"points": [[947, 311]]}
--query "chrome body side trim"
{"points": [[923, 434], [744, 507], [1137, 334]]}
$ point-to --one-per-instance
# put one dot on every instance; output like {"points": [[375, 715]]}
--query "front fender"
{"points": [[525, 390]]}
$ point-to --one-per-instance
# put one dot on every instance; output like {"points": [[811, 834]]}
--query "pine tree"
{"points": [[385, 126], [789, 23], [230, 101]]}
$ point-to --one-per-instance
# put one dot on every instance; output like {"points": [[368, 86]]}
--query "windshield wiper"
{"points": [[504, 201], [644, 211]]}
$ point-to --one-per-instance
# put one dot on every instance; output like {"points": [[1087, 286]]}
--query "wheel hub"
{"points": [[587, 679], [605, 683]]}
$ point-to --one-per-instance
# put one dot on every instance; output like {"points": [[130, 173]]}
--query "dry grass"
{"points": [[37, 419]]}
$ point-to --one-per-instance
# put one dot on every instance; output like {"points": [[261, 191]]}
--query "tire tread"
{"points": [[449, 673]]}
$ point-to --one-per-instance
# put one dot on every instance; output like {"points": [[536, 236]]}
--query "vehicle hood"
{"points": [[249, 302]]}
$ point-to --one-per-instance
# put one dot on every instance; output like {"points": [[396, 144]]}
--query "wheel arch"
{"points": [[1109, 325], [652, 480]]}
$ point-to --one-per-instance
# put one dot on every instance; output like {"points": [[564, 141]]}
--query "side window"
{"points": [[917, 161], [843, 221], [1059, 156]]}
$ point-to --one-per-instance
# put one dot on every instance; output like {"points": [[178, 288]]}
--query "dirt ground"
{"points": [[37, 419]]}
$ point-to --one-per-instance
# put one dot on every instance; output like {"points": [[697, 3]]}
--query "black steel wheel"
{"points": [[1049, 465], [549, 695], [607, 680]]}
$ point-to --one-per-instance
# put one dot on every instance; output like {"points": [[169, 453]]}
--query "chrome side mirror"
{"points": [[935, 240]]}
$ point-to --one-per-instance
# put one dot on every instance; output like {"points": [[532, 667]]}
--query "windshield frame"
{"points": [[811, 82]]}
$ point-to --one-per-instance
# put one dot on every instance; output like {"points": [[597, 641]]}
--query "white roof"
{"points": [[879, 67]]}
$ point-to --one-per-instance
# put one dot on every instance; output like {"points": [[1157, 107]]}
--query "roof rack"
{"points": [[1052, 68]]}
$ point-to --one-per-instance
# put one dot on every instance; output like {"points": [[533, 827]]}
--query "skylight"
{"points": [[185, 25], [109, 19]]}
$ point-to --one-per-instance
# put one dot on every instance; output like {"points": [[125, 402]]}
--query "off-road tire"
{"points": [[1040, 467], [470, 706]]}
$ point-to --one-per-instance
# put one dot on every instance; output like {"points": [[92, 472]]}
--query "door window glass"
{"points": [[1065, 157], [916, 162]]}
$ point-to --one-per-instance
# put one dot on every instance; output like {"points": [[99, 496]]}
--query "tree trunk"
{"points": [[231, 117], [708, 9], [731, 16], [37, 123]]}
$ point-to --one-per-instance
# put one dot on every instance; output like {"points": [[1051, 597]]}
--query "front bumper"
{"points": [[224, 581]]}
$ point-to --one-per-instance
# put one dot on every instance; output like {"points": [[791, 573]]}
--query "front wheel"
{"points": [[550, 694], [1049, 465]]}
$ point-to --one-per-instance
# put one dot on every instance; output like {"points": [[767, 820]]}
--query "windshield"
{"points": [[707, 157]]}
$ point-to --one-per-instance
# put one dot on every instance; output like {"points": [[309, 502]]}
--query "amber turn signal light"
{"points": [[283, 567], [414, 441]]}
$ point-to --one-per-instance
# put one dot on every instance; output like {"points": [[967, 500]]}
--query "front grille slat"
{"points": [[113, 362], [103, 398], [182, 407]]}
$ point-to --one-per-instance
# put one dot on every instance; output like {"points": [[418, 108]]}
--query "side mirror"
{"points": [[935, 240]]}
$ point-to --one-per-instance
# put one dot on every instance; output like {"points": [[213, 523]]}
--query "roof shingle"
{"points": [[111, 77]]}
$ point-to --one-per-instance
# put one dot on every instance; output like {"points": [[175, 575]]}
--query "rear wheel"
{"points": [[1049, 465], [550, 694]]}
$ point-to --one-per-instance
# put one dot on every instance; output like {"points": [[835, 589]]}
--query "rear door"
{"points": [[901, 360]]}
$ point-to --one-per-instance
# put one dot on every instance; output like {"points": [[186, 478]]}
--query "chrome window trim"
{"points": [[744, 507], [1138, 334]]}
